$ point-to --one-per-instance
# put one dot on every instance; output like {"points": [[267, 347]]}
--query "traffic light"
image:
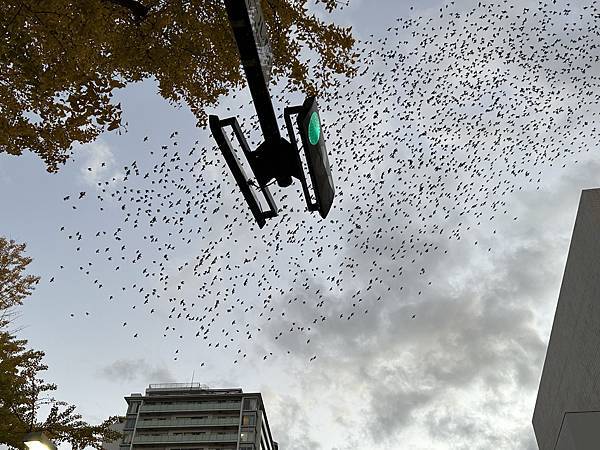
{"points": [[313, 141], [279, 160]]}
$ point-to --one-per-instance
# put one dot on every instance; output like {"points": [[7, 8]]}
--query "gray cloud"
{"points": [[291, 415], [140, 369], [475, 339]]}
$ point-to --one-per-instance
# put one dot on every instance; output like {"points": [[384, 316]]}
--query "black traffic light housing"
{"points": [[278, 159], [313, 142]]}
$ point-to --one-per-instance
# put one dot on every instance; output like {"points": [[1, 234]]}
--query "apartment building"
{"points": [[191, 416]]}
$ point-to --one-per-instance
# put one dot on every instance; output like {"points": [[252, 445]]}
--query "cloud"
{"points": [[463, 373], [291, 416], [99, 163], [139, 369]]}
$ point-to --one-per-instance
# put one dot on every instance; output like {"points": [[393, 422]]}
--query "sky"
{"points": [[415, 316]]}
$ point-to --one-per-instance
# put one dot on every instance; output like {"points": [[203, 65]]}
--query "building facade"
{"points": [[115, 445], [191, 416], [567, 410]]}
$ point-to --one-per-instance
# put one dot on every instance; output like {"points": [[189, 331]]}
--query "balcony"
{"points": [[211, 421], [181, 407], [184, 438]]}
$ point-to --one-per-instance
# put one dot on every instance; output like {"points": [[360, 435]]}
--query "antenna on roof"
{"points": [[192, 383]]}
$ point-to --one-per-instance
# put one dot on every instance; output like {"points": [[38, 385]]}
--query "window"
{"points": [[247, 436], [129, 423], [250, 404], [126, 438], [248, 420]]}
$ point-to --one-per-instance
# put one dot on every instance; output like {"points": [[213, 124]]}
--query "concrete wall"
{"points": [[571, 374], [115, 444], [580, 431]]}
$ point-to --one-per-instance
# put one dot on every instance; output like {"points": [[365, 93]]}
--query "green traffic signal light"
{"points": [[314, 128], [313, 142]]}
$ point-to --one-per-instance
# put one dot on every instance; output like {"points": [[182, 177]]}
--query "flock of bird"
{"points": [[449, 114]]}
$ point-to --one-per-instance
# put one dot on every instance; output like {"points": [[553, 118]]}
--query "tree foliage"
{"points": [[15, 285], [61, 60], [22, 390]]}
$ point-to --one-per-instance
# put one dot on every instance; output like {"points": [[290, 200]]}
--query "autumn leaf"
{"points": [[114, 125]]}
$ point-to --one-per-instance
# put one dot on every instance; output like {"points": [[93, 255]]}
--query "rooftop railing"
{"points": [[178, 386], [196, 387]]}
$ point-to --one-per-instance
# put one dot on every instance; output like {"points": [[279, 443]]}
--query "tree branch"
{"points": [[138, 10]]}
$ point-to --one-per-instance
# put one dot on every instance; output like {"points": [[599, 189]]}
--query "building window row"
{"points": [[199, 448], [146, 419], [191, 405], [183, 433], [192, 418], [190, 402]]}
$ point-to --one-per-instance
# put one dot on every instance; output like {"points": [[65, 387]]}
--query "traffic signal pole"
{"points": [[249, 30]]}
